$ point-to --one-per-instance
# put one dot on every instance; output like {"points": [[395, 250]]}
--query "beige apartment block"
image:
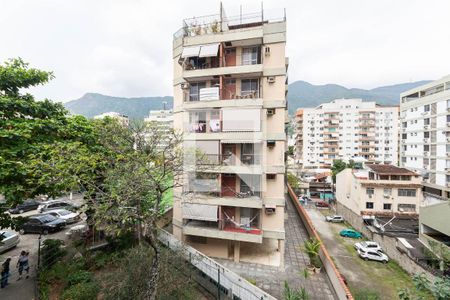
{"points": [[230, 86], [347, 129], [381, 190]]}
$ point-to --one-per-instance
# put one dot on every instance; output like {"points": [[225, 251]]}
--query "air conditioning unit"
{"points": [[267, 51], [426, 153], [370, 195], [448, 124], [185, 85], [270, 210], [426, 140], [448, 109], [448, 184], [271, 79], [270, 143], [270, 111], [386, 196], [447, 169], [448, 154], [426, 127], [448, 139]]}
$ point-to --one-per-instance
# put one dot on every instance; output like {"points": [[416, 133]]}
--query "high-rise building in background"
{"points": [[163, 124], [123, 119], [425, 148], [230, 85], [347, 129]]}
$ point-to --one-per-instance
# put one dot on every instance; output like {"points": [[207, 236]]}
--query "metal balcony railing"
{"points": [[229, 159]]}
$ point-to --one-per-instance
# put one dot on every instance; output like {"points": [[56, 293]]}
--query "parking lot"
{"points": [[25, 288], [385, 279]]}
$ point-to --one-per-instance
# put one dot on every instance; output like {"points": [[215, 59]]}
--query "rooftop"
{"points": [[390, 170]]}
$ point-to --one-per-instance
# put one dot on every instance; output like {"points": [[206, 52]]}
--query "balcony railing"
{"points": [[215, 95], [229, 159]]}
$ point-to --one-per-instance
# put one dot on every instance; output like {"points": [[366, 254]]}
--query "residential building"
{"points": [[425, 148], [230, 85], [114, 115], [425, 135], [163, 124], [347, 129], [378, 189]]}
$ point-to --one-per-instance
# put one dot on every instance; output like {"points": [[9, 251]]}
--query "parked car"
{"points": [[56, 204], [8, 240], [350, 233], [335, 219], [373, 255], [368, 245], [42, 224], [27, 205], [322, 204], [66, 215]]}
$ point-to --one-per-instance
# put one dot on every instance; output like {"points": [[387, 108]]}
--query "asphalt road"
{"points": [[24, 289]]}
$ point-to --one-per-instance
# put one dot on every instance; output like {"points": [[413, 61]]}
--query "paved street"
{"points": [[271, 279], [25, 288]]}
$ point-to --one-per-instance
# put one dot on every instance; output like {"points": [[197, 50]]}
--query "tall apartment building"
{"points": [[230, 85], [163, 120], [123, 119], [425, 148], [346, 129]]}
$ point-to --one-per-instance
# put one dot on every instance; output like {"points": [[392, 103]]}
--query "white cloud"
{"points": [[123, 48]]}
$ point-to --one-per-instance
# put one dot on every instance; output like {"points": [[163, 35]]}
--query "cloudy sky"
{"points": [[123, 47]]}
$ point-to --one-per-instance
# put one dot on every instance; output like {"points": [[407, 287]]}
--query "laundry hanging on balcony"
{"points": [[200, 212], [214, 125], [246, 221]]}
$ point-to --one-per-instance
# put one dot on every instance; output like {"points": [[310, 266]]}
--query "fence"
{"points": [[335, 277], [229, 284]]}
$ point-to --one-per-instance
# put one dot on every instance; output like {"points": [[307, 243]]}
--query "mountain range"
{"points": [[301, 94]]}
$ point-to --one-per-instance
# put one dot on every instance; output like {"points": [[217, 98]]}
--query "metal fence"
{"points": [[228, 283]]}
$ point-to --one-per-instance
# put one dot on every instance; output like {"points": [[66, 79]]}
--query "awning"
{"points": [[200, 212], [240, 141], [190, 51], [244, 119], [209, 50]]}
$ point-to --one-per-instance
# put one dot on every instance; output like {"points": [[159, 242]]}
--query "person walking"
{"points": [[23, 264], [5, 273]]}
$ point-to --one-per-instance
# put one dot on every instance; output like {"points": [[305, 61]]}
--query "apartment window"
{"points": [[426, 134], [407, 207], [194, 90], [426, 148], [250, 87], [370, 191], [251, 55], [426, 107], [387, 192], [426, 121], [404, 136], [387, 206], [369, 205], [404, 124], [406, 192]]}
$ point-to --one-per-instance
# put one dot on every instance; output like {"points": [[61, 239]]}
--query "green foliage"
{"points": [[441, 288], [291, 150], [292, 294], [51, 252], [420, 281], [80, 276], [81, 291], [338, 166], [292, 180], [367, 294]]}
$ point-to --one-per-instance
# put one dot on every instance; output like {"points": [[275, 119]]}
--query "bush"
{"points": [[79, 277], [81, 291], [367, 294], [51, 252]]}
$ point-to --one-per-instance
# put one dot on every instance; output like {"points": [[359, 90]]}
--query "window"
{"points": [[426, 107], [194, 91], [426, 121], [426, 134], [249, 87], [369, 205], [426, 147], [387, 192], [370, 191], [251, 55], [406, 207], [387, 206], [406, 192]]}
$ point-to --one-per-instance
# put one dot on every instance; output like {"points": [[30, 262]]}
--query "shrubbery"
{"points": [[81, 291]]}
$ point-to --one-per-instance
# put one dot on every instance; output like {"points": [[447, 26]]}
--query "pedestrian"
{"points": [[5, 272], [22, 264]]}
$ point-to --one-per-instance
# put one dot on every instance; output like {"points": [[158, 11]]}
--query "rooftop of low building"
{"points": [[389, 170]]}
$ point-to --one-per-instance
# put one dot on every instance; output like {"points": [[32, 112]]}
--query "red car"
{"points": [[322, 204]]}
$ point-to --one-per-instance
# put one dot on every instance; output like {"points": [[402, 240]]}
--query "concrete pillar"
{"points": [[237, 251], [281, 250]]}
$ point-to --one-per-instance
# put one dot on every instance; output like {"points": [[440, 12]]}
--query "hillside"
{"points": [[301, 94], [92, 104]]}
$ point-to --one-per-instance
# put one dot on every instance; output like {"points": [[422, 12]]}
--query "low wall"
{"points": [[335, 277], [391, 245]]}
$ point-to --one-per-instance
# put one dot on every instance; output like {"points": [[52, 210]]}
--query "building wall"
{"points": [[430, 157]]}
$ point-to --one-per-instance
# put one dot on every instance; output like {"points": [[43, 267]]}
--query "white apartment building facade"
{"points": [[123, 119], [230, 85], [425, 134], [163, 124], [347, 129]]}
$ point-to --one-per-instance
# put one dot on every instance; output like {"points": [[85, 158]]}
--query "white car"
{"points": [[368, 246], [66, 215], [55, 205], [373, 255], [8, 240], [335, 219]]}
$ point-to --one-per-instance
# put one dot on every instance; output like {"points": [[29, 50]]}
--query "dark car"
{"points": [[26, 205], [322, 204], [42, 224]]}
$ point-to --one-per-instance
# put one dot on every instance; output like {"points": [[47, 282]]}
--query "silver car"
{"points": [[373, 255], [334, 219], [56, 204], [8, 240]]}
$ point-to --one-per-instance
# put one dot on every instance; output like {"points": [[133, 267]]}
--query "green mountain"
{"points": [[301, 94], [92, 104], [304, 94]]}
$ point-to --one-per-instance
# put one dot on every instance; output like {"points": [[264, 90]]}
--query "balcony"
{"points": [[199, 228]]}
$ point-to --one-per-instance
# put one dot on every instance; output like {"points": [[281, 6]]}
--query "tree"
{"points": [[338, 166], [293, 181], [31, 132]]}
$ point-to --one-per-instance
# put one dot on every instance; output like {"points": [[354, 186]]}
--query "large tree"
{"points": [[30, 133]]}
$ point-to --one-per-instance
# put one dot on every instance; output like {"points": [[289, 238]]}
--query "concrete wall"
{"points": [[389, 244]]}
